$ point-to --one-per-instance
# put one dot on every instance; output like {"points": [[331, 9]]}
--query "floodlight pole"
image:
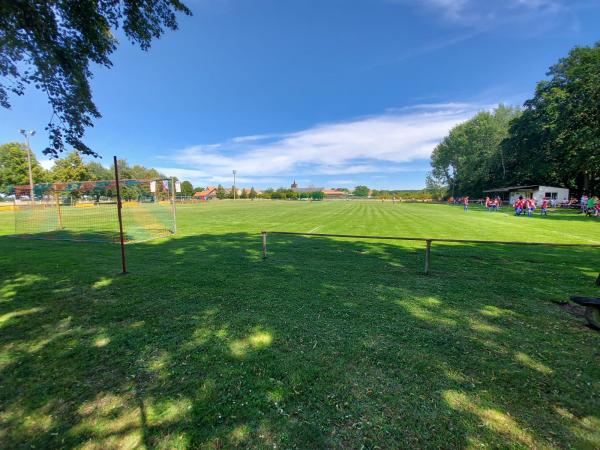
{"points": [[234, 189], [119, 206], [27, 134]]}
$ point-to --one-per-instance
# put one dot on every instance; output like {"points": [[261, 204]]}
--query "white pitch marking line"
{"points": [[314, 229]]}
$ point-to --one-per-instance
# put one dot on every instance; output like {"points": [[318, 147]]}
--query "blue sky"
{"points": [[334, 93]]}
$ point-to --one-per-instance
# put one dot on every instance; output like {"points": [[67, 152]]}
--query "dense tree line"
{"points": [[187, 188], [14, 168], [386, 194], [553, 140], [471, 158], [358, 192], [289, 194], [72, 167]]}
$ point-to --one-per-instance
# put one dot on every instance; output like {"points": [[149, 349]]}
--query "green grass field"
{"points": [[333, 343]]}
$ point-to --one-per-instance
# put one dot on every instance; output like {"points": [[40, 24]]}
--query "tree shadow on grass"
{"points": [[327, 343], [130, 236], [70, 235]]}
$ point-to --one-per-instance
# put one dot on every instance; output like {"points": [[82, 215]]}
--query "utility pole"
{"points": [[234, 189], [27, 134]]}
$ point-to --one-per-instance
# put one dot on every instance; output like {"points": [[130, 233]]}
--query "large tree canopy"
{"points": [[471, 158], [187, 188], [361, 191], [135, 172], [70, 168], [14, 169], [51, 44], [554, 141], [97, 171], [557, 139]]}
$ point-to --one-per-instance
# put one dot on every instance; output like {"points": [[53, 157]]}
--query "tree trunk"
{"points": [[586, 182]]}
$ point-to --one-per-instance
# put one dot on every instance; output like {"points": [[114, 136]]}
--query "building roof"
{"points": [[308, 189], [333, 192], [520, 188], [206, 192]]}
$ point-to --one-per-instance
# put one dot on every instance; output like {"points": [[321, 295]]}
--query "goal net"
{"points": [[87, 210]]}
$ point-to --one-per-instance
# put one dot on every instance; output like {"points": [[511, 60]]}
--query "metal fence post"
{"points": [[427, 255], [120, 217], [427, 241], [57, 198]]}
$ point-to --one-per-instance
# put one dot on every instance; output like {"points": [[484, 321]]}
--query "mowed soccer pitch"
{"points": [[327, 343]]}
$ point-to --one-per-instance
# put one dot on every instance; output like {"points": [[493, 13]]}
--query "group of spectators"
{"points": [[589, 206], [527, 206]]}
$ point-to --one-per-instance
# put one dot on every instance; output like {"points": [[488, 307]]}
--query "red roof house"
{"points": [[206, 194]]}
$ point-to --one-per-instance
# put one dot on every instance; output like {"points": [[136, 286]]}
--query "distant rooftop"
{"points": [[520, 188], [308, 189]]}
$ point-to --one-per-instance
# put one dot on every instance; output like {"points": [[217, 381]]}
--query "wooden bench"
{"points": [[592, 309]]}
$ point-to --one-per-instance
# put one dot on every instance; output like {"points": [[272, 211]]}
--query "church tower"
{"points": [[294, 184]]}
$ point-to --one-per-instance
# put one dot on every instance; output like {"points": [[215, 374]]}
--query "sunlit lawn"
{"points": [[328, 343]]}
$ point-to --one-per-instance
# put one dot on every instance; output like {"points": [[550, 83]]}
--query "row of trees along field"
{"points": [[400, 194], [359, 191], [364, 191], [14, 170], [554, 140], [288, 194], [223, 193]]}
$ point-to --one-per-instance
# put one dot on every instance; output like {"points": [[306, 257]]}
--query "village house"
{"points": [[333, 193], [207, 194]]}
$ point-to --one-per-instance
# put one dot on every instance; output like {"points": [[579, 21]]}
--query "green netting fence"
{"points": [[87, 210]]}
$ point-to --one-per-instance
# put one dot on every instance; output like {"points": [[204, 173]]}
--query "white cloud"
{"points": [[203, 177], [253, 138], [384, 143], [532, 16], [46, 163]]}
